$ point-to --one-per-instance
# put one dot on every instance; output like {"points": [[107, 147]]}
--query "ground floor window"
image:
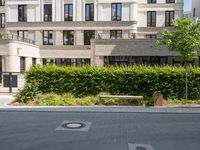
{"points": [[67, 61], [178, 62], [33, 61], [130, 60]]}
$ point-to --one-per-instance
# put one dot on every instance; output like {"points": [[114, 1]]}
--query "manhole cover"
{"points": [[73, 125], [140, 148]]}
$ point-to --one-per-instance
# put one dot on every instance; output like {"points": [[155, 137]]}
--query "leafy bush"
{"points": [[133, 80], [28, 93]]}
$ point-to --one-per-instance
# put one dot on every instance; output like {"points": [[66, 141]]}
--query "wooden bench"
{"points": [[124, 97]]}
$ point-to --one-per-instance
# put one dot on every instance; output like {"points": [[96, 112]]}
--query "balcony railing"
{"points": [[10, 36]]}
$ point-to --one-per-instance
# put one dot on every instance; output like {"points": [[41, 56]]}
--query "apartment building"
{"points": [[195, 8], [96, 32]]}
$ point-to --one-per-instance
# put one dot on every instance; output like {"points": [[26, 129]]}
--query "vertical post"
{"points": [[10, 82], [186, 83]]}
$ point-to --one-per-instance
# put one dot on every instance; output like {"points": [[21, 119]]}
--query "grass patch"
{"points": [[70, 100]]}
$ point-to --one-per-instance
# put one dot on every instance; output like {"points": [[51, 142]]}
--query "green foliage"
{"points": [[69, 100], [28, 93], [183, 38], [133, 80]]}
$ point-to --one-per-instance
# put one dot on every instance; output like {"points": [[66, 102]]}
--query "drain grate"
{"points": [[74, 126], [140, 147]]}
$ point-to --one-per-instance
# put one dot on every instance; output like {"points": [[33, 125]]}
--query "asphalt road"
{"points": [[107, 131]]}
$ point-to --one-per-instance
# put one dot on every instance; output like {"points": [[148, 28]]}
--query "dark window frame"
{"points": [[151, 1], [170, 1], [48, 38], [2, 2], [70, 9], [169, 18], [2, 20], [91, 34], [68, 33], [22, 64], [115, 17], [90, 17], [114, 34], [22, 16], [48, 18], [152, 22]]}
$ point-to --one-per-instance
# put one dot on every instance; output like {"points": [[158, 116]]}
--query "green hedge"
{"points": [[134, 80]]}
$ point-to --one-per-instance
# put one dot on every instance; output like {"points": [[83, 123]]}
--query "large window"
{"points": [[2, 2], [130, 60], [68, 12], [151, 18], [116, 11], [68, 37], [151, 1], [88, 35], [47, 12], [169, 16], [47, 37], [2, 20], [151, 36], [72, 61], [23, 34], [22, 13], [116, 34], [170, 1], [89, 12]]}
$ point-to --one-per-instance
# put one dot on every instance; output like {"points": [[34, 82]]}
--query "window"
{"points": [[151, 1], [2, 2], [170, 1], [68, 12], [151, 36], [151, 18], [89, 12], [47, 37], [116, 34], [22, 13], [33, 61], [116, 12], [2, 20], [22, 64], [47, 12], [23, 34], [88, 35], [169, 16], [194, 12], [72, 61], [68, 37]]}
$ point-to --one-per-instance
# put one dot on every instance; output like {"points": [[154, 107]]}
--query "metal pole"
{"points": [[10, 82]]}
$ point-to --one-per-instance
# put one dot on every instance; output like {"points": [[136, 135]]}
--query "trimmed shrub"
{"points": [[133, 80]]}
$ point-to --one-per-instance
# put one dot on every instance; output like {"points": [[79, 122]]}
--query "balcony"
{"points": [[9, 36]]}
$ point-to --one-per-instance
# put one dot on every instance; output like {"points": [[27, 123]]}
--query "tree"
{"points": [[184, 37]]}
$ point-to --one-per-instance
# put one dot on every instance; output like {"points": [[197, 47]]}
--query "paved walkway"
{"points": [[5, 99]]}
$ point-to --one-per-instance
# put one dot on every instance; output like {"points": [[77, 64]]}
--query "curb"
{"points": [[101, 109]]}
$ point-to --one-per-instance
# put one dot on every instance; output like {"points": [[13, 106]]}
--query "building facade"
{"points": [[68, 32], [195, 8]]}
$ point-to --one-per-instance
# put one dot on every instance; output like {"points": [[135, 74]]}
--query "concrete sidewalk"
{"points": [[6, 99]]}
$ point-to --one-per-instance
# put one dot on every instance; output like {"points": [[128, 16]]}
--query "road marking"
{"points": [[140, 147]]}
